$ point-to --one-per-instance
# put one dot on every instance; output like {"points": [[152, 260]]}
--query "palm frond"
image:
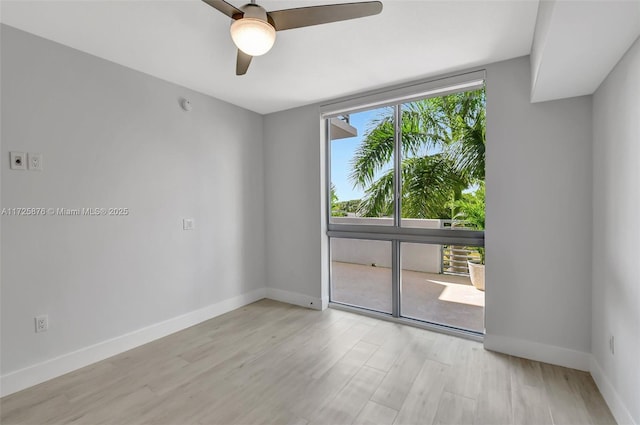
{"points": [[429, 184], [443, 150], [375, 152], [378, 198]]}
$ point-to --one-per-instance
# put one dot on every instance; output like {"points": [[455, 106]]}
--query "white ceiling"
{"points": [[188, 43], [576, 44]]}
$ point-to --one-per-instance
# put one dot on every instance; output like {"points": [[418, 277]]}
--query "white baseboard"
{"points": [[541, 352], [610, 395], [325, 303], [49, 369], [296, 298]]}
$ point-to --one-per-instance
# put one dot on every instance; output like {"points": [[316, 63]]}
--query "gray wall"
{"points": [[114, 137], [616, 231], [293, 208], [538, 274], [538, 210]]}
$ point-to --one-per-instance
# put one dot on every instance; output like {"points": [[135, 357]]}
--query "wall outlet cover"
{"points": [[42, 323], [18, 160], [35, 161]]}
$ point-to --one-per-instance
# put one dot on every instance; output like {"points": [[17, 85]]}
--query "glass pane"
{"points": [[361, 273], [362, 146], [437, 286], [443, 159]]}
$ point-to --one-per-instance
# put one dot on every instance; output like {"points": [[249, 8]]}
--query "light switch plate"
{"points": [[188, 224], [35, 161], [18, 160]]}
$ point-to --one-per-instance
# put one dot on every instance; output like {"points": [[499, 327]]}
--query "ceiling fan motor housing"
{"points": [[252, 10]]}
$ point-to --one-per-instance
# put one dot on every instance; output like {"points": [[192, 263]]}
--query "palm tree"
{"points": [[443, 153], [335, 205]]}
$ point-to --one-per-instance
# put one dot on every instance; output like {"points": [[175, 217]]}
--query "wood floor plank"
{"points": [[348, 402], [339, 346], [421, 403], [384, 358], [280, 385], [175, 408], [398, 381], [565, 403], [47, 390], [465, 373], [318, 392], [493, 404], [444, 349], [268, 415], [381, 333], [393, 340], [528, 393], [376, 414], [301, 355], [527, 372], [271, 363], [107, 411], [252, 339], [584, 385], [37, 412], [454, 410]]}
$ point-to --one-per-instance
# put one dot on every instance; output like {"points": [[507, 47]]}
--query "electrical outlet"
{"points": [[188, 224], [18, 160], [42, 323], [35, 161]]}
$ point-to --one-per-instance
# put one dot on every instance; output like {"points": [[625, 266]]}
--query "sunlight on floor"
{"points": [[457, 293]]}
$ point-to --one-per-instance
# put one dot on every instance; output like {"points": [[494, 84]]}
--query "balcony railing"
{"points": [[445, 259], [454, 259]]}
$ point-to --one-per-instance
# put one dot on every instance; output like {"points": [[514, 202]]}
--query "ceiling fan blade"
{"points": [[242, 63], [226, 8], [314, 15]]}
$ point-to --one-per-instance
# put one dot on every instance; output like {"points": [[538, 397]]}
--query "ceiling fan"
{"points": [[253, 29]]}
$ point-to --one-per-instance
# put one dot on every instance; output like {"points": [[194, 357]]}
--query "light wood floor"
{"points": [[272, 363]]}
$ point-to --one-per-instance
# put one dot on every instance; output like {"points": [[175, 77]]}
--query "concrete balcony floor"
{"points": [[439, 298]]}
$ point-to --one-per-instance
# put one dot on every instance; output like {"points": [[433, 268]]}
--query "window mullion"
{"points": [[396, 268], [397, 166]]}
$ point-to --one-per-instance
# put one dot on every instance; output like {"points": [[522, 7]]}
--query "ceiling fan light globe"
{"points": [[253, 36]]}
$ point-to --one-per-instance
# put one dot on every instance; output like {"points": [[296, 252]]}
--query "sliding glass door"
{"points": [[406, 216], [362, 274], [431, 293]]}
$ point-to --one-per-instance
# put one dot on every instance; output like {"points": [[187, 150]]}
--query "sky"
{"points": [[342, 151]]}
